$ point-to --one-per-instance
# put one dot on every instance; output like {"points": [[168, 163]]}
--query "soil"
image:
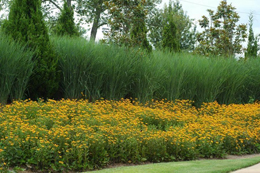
{"points": [[241, 156]]}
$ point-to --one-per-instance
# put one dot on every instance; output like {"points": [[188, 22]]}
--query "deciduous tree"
{"points": [[222, 36], [94, 12], [91, 12]]}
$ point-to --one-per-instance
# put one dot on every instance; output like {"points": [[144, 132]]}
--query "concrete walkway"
{"points": [[251, 169]]}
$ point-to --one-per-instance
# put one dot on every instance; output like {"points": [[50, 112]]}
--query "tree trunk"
{"points": [[69, 3], [95, 25]]}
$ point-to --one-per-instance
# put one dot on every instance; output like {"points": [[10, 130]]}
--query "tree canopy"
{"points": [[222, 36], [126, 18], [185, 29], [65, 24], [141, 23]]}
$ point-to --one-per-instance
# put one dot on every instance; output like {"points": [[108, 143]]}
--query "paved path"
{"points": [[251, 169]]}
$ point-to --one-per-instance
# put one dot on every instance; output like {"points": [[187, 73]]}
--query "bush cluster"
{"points": [[79, 135]]}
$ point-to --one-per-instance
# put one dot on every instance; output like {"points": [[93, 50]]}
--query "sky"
{"points": [[197, 8]]}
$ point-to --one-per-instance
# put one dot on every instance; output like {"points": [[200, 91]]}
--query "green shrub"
{"points": [[26, 25]]}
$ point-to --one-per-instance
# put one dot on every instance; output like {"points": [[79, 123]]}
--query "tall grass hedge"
{"points": [[203, 79], [15, 69], [95, 71]]}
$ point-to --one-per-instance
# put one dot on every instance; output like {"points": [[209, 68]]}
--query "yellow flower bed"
{"points": [[77, 135]]}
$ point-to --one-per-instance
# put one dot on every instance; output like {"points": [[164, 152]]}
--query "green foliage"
{"points": [[138, 32], [221, 36], [185, 29], [1, 19], [202, 80], [170, 40], [15, 69], [75, 135], [65, 24], [26, 25], [95, 12], [3, 4], [252, 46], [91, 11], [124, 16], [94, 71]]}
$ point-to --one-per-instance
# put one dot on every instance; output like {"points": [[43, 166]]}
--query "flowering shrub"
{"points": [[79, 135]]}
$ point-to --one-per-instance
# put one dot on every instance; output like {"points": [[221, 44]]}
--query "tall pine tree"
{"points": [[170, 40], [252, 46], [65, 24], [25, 24], [139, 30]]}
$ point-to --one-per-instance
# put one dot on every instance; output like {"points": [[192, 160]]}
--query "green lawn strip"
{"points": [[197, 166]]}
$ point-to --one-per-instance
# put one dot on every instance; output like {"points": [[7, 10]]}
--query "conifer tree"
{"points": [[186, 29], [65, 24], [25, 24], [252, 46], [139, 30], [170, 40]]}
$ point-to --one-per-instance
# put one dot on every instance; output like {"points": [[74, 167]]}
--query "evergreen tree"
{"points": [[138, 32], [65, 24], [252, 46], [26, 25], [124, 21], [170, 40], [186, 29]]}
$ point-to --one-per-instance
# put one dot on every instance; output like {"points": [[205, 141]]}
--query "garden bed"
{"points": [[79, 135]]}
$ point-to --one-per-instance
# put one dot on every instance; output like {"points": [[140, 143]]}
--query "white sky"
{"points": [[197, 8]]}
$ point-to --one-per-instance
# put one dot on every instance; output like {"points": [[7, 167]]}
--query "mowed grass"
{"points": [[79, 135], [198, 166]]}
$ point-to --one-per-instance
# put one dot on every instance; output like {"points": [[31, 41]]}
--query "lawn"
{"points": [[197, 166]]}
